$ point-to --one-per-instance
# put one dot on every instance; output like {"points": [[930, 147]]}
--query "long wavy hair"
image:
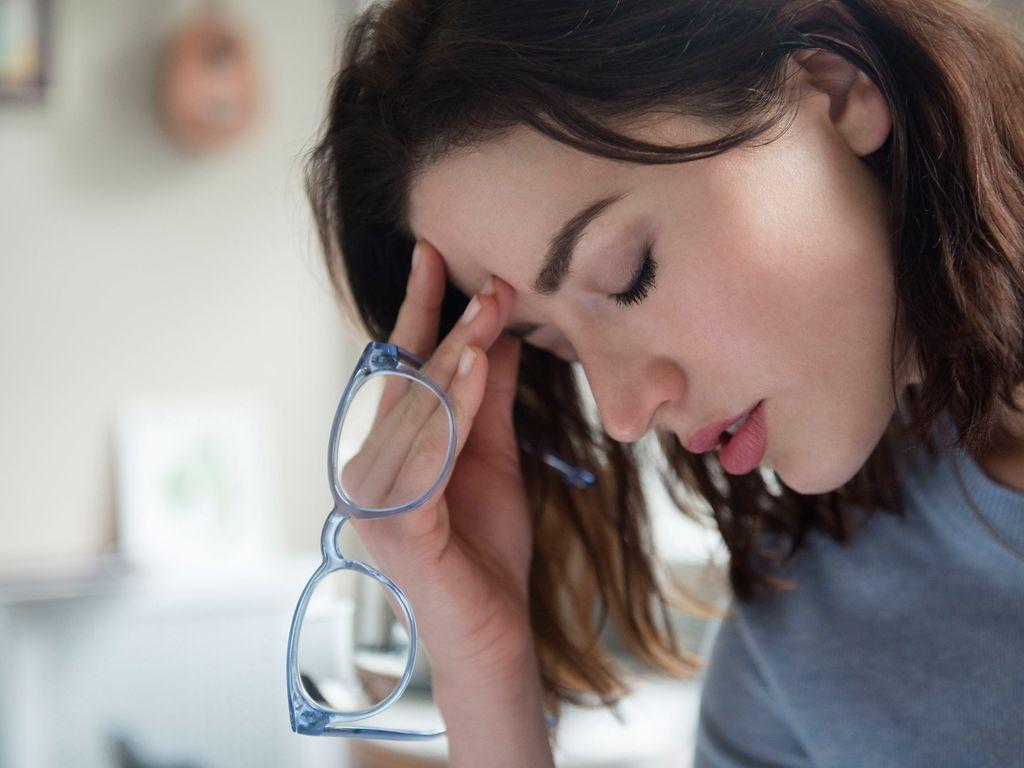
{"points": [[419, 79]]}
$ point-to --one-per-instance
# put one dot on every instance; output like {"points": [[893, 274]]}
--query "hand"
{"points": [[463, 557]]}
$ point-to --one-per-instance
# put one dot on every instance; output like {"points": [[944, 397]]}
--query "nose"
{"points": [[628, 393]]}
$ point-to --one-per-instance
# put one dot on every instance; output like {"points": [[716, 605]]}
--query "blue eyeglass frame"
{"points": [[307, 716]]}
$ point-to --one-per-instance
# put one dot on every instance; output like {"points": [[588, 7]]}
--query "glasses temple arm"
{"points": [[573, 475]]}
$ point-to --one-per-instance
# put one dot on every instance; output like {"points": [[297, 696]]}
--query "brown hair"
{"points": [[422, 78]]}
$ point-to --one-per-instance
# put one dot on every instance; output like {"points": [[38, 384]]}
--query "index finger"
{"points": [[419, 317]]}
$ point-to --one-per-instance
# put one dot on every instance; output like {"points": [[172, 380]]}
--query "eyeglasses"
{"points": [[413, 397]]}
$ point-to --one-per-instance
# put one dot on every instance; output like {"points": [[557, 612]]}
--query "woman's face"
{"points": [[774, 281]]}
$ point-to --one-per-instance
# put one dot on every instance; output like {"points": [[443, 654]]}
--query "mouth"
{"points": [[718, 434], [729, 432], [744, 450]]}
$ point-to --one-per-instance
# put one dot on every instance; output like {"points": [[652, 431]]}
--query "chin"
{"points": [[815, 477], [823, 462]]}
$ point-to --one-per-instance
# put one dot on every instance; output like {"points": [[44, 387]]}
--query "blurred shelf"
{"points": [[109, 575]]}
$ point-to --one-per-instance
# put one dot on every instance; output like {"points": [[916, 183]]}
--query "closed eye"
{"points": [[643, 280]]}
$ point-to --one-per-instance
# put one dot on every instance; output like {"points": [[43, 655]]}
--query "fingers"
{"points": [[417, 421], [487, 314], [431, 443], [418, 317], [493, 430], [411, 433], [416, 326], [387, 447], [420, 313]]}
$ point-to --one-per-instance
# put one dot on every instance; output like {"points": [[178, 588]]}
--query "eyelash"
{"points": [[642, 283]]}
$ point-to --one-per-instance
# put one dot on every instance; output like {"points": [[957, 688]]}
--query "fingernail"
{"points": [[488, 286], [417, 252], [466, 360], [471, 309]]}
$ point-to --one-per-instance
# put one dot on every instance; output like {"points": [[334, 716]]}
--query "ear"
{"points": [[858, 108]]}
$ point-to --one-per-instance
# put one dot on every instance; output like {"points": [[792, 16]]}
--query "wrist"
{"points": [[512, 677], [499, 721]]}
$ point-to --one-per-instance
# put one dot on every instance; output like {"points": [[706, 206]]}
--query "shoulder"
{"points": [[768, 653], [743, 720]]}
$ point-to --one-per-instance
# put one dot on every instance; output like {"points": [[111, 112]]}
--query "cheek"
{"points": [[796, 262], [793, 299], [816, 313]]}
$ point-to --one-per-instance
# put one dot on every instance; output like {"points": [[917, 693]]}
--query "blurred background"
{"points": [[170, 360]]}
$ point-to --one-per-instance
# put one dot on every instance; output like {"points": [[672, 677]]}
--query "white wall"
{"points": [[129, 269]]}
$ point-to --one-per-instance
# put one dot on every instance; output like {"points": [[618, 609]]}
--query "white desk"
{"points": [[195, 671], [191, 672]]}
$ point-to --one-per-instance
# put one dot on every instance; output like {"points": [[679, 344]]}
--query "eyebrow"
{"points": [[562, 248]]}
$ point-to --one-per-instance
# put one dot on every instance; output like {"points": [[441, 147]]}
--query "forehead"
{"points": [[494, 207]]}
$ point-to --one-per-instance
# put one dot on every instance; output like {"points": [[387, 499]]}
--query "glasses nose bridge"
{"points": [[329, 546]]}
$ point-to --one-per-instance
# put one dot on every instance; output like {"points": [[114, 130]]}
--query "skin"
{"points": [[774, 272]]}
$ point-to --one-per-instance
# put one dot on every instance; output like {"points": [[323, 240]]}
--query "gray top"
{"points": [[904, 647]]}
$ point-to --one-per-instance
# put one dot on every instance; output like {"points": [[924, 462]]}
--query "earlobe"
{"points": [[858, 108]]}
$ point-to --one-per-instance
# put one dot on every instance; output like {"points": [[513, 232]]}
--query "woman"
{"points": [[806, 212]]}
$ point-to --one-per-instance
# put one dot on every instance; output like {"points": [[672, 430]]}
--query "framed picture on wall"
{"points": [[24, 49], [194, 485]]}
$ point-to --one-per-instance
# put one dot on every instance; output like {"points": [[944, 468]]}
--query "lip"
{"points": [[706, 438]]}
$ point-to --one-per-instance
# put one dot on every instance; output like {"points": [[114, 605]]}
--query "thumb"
{"points": [[493, 430]]}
